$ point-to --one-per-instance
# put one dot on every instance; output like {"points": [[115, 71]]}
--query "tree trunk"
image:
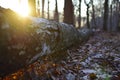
{"points": [[48, 10], [111, 15], [43, 2], [79, 19], [87, 12], [105, 26], [68, 12], [32, 5], [93, 14], [88, 24], [38, 8], [56, 14], [25, 40]]}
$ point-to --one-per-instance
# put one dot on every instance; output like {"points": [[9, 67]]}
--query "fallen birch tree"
{"points": [[25, 40]]}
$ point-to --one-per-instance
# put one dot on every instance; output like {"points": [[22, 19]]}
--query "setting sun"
{"points": [[23, 8], [19, 6]]}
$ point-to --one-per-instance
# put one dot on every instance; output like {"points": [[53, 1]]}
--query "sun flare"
{"points": [[23, 8], [19, 6]]}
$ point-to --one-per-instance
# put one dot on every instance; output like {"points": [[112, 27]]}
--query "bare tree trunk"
{"points": [[106, 9], [38, 8], [48, 10], [87, 12], [56, 14], [93, 14], [32, 5], [111, 14], [43, 2], [79, 19], [68, 12], [118, 14], [88, 24]]}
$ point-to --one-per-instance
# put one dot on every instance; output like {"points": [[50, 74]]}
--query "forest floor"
{"points": [[96, 59]]}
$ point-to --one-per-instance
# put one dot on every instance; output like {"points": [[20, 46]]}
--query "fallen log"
{"points": [[25, 40]]}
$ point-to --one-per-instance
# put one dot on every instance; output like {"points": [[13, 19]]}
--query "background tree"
{"points": [[115, 15], [48, 10], [98, 12], [68, 12], [111, 14], [87, 12], [93, 14], [106, 9], [43, 2], [32, 5], [79, 19], [56, 14], [101, 7], [38, 8]]}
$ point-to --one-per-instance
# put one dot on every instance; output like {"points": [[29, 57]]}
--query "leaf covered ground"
{"points": [[96, 59]]}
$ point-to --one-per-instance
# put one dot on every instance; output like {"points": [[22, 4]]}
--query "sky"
{"points": [[23, 7], [16, 6]]}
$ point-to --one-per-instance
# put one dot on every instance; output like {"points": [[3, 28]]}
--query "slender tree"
{"points": [[68, 12], [93, 14], [87, 12], [101, 7], [111, 14], [38, 9], [116, 15], [48, 10], [56, 14], [32, 5], [79, 18], [43, 2], [105, 15]]}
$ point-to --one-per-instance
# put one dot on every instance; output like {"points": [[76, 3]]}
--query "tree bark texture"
{"points": [[79, 19], [87, 12], [105, 26], [43, 5], [56, 13], [25, 40], [48, 9], [68, 12], [93, 14]]}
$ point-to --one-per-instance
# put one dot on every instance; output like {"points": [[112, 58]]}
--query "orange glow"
{"points": [[19, 6], [23, 8]]}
